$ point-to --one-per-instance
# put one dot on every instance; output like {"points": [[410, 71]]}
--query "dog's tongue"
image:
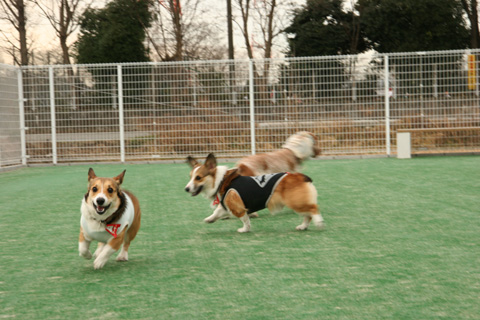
{"points": [[100, 208]]}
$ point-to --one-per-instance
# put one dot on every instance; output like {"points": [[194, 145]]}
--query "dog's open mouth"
{"points": [[101, 209], [197, 191]]}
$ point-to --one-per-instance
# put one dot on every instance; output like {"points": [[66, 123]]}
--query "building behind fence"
{"points": [[165, 111]]}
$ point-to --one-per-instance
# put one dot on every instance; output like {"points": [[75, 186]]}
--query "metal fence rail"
{"points": [[154, 111]]}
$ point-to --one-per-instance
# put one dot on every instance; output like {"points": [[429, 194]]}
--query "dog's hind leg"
{"points": [[318, 220], [130, 235], [310, 215], [246, 224], [303, 200], [305, 224], [123, 255]]}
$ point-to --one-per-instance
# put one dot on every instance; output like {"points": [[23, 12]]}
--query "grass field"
{"points": [[402, 242]]}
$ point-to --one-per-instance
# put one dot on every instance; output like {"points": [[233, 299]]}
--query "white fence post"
{"points": [[52, 114], [21, 108], [120, 113], [387, 105], [252, 104]]}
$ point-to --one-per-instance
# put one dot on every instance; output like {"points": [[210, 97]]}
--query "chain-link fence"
{"points": [[166, 111]]}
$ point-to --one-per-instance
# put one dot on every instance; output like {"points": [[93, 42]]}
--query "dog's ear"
{"points": [[119, 178], [192, 161], [211, 161], [91, 174]]}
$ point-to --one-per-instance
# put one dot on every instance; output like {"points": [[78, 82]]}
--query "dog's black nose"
{"points": [[187, 189], [100, 201]]}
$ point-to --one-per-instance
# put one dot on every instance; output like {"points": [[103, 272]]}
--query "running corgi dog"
{"points": [[296, 149], [238, 195], [110, 216]]}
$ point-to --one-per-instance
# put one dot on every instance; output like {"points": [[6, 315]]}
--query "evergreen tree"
{"points": [[412, 25], [324, 27], [115, 33]]}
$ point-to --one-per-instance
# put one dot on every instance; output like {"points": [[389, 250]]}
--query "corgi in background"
{"points": [[296, 149]]}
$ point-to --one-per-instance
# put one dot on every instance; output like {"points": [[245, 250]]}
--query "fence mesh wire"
{"points": [[152, 111]]}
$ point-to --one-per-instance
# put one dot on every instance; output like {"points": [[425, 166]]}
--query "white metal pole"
{"points": [[52, 115], [387, 106], [194, 93], [120, 113], [21, 107], [252, 105]]}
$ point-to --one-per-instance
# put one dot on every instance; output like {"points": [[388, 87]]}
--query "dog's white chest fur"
{"points": [[96, 230]]}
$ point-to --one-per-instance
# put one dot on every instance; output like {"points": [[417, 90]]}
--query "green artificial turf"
{"points": [[401, 242]]}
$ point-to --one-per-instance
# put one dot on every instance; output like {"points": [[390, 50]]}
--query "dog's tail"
{"points": [[300, 177], [307, 178]]}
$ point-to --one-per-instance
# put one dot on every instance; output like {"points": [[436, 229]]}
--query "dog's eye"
{"points": [[198, 178], [94, 189], [110, 190]]}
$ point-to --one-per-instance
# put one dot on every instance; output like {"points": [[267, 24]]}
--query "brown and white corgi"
{"points": [[236, 195], [110, 216], [298, 148]]}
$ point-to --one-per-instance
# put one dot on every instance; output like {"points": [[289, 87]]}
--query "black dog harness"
{"points": [[254, 191]]}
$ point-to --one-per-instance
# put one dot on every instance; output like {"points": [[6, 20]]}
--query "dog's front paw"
{"points": [[86, 254], [99, 263], [209, 220], [123, 256], [318, 221], [320, 226], [302, 227], [243, 230]]}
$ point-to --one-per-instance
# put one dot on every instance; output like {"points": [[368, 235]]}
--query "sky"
{"points": [[214, 11]]}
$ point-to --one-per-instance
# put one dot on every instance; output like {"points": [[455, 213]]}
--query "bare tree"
{"points": [[261, 23], [244, 6], [353, 29], [14, 11], [61, 14], [180, 31], [265, 18], [170, 24], [231, 50]]}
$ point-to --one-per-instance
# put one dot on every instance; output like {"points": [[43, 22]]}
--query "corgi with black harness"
{"points": [[237, 195], [110, 216]]}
